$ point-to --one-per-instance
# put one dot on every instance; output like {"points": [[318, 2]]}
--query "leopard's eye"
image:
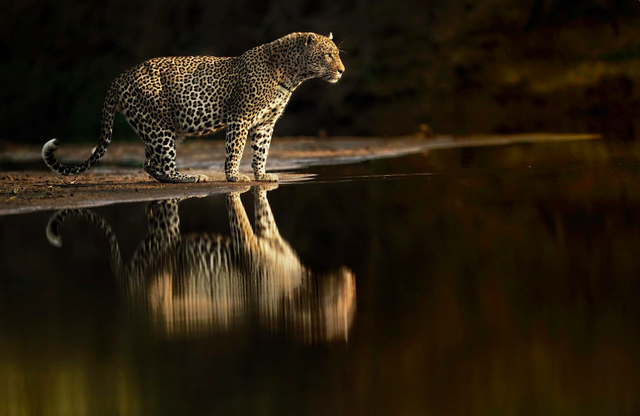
{"points": [[329, 56]]}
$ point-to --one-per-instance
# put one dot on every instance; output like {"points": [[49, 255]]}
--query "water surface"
{"points": [[463, 281]]}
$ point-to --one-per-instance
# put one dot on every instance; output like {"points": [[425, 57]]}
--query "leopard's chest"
{"points": [[273, 109]]}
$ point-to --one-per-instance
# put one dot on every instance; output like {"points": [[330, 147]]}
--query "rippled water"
{"points": [[472, 281]]}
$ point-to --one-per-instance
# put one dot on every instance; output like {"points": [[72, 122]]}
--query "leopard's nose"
{"points": [[340, 71]]}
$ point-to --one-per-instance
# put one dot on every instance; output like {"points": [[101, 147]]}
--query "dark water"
{"points": [[475, 281]]}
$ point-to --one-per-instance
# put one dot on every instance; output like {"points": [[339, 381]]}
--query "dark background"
{"points": [[456, 66]]}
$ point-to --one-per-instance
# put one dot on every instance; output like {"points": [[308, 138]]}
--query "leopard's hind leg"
{"points": [[159, 138], [160, 160]]}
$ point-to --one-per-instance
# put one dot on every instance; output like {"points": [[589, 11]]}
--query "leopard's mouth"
{"points": [[334, 77]]}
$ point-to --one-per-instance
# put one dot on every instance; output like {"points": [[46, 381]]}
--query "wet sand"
{"points": [[27, 185]]}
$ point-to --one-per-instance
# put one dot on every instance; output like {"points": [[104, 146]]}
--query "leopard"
{"points": [[168, 99], [202, 282]]}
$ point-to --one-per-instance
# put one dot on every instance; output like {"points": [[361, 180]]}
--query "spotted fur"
{"points": [[206, 281], [166, 99]]}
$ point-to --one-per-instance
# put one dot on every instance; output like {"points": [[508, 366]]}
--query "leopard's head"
{"points": [[322, 57]]}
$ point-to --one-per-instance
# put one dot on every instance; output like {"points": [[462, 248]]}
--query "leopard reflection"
{"points": [[195, 283]]}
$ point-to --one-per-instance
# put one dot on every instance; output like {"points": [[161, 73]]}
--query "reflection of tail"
{"points": [[56, 220], [50, 147]]}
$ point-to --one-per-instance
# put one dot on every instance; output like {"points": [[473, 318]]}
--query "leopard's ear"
{"points": [[330, 36], [309, 40]]}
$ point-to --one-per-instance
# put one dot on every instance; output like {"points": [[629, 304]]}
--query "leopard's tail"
{"points": [[56, 220], [108, 111]]}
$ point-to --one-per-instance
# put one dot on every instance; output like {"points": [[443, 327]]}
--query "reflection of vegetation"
{"points": [[459, 66], [55, 383]]}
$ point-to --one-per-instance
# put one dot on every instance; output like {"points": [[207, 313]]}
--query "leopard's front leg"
{"points": [[260, 142], [234, 146], [241, 232], [265, 222]]}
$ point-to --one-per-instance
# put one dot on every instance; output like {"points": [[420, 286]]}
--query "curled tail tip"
{"points": [[53, 236], [49, 147]]}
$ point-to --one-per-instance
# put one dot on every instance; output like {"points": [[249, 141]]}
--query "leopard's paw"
{"points": [[239, 177], [266, 177]]}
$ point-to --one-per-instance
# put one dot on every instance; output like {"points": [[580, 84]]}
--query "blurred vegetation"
{"points": [[459, 66]]}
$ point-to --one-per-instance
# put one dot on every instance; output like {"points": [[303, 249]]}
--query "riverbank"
{"points": [[26, 185]]}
